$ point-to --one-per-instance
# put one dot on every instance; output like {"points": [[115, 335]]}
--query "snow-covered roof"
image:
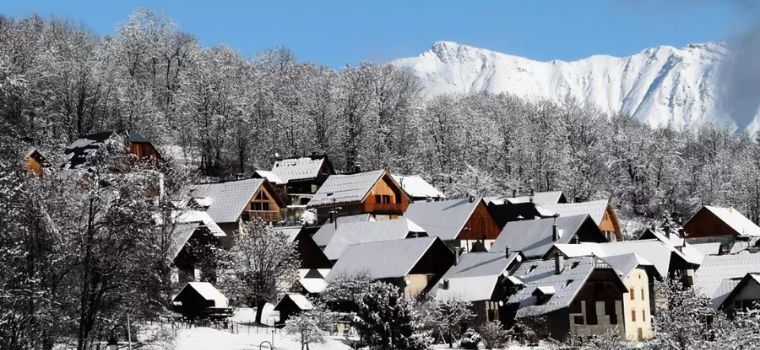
{"points": [[300, 300], [271, 176], [534, 237], [444, 219], [709, 248], [539, 275], [416, 187], [653, 251], [185, 224], [298, 168], [474, 277], [327, 230], [371, 231], [82, 147], [734, 219], [345, 188], [290, 231], [208, 292], [540, 198], [227, 199], [313, 280], [624, 264], [730, 287], [716, 268], [595, 209], [386, 259]]}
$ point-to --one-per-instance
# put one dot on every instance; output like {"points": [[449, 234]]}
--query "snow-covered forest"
{"points": [[232, 114]]}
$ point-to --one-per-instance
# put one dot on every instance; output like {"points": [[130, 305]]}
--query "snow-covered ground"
{"points": [[203, 338]]}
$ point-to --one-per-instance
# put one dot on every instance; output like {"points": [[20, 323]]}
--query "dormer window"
{"points": [[543, 294]]}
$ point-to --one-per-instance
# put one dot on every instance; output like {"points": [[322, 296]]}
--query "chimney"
{"points": [[471, 199], [506, 252], [555, 233], [531, 195], [559, 263], [445, 284], [514, 193], [667, 230]]}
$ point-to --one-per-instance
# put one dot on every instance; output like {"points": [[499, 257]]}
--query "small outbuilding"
{"points": [[201, 300], [292, 304]]}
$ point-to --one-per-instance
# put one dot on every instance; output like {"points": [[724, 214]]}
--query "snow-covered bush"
{"points": [[310, 326], [493, 333], [470, 339]]}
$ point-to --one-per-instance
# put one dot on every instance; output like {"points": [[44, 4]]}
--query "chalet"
{"points": [[515, 208], [302, 176], [193, 235], [464, 223], [200, 300], [725, 225], [372, 231], [233, 202], [325, 232], [738, 293], [371, 192], [418, 189], [534, 238], [292, 304], [34, 162], [311, 255], [482, 280], [639, 276], [719, 275], [413, 264], [136, 144], [600, 211], [578, 297]]}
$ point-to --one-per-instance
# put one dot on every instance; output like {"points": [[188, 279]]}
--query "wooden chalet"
{"points": [[578, 297], [724, 225], [233, 202], [301, 176], [418, 189], [464, 222], [371, 192], [414, 264], [194, 235], [34, 162], [136, 144], [528, 207], [201, 300], [600, 211]]}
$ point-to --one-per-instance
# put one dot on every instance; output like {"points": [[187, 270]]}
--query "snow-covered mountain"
{"points": [[659, 85]]}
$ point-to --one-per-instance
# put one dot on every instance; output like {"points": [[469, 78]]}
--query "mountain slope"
{"points": [[660, 86]]}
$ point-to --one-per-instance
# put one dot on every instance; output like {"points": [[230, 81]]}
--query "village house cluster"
{"points": [[512, 256]]}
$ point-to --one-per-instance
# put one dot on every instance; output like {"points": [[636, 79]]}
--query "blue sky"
{"points": [[339, 32]]}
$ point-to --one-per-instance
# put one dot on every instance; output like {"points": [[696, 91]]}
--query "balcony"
{"points": [[267, 216]]}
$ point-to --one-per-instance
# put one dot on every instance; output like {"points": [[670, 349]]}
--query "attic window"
{"points": [[574, 265], [568, 282], [532, 268]]}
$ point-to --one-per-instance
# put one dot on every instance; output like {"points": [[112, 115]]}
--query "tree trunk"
{"points": [[259, 309]]}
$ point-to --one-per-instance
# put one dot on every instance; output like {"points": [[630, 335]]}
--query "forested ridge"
{"points": [[233, 114]]}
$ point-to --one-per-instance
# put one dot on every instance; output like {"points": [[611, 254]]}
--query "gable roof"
{"points": [[207, 291], [595, 209], [540, 275], [475, 277], [346, 188], [736, 220], [539, 198], [302, 168], [229, 199], [313, 280], [270, 176], [386, 259], [186, 223], [708, 248], [298, 299], [729, 287], [371, 231], [654, 251], [624, 264], [416, 187], [716, 268], [444, 219], [327, 230], [534, 237], [85, 145]]}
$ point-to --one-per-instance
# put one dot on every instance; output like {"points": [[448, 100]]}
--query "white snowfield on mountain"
{"points": [[660, 86]]}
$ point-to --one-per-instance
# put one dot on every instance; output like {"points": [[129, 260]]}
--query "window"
{"points": [[644, 314], [633, 295], [633, 315], [574, 265], [642, 293], [578, 319], [382, 199]]}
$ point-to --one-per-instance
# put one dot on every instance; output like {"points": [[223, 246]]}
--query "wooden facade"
{"points": [[265, 205], [610, 225], [34, 163], [385, 197], [706, 224], [480, 225]]}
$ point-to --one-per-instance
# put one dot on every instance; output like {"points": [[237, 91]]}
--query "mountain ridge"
{"points": [[661, 85]]}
